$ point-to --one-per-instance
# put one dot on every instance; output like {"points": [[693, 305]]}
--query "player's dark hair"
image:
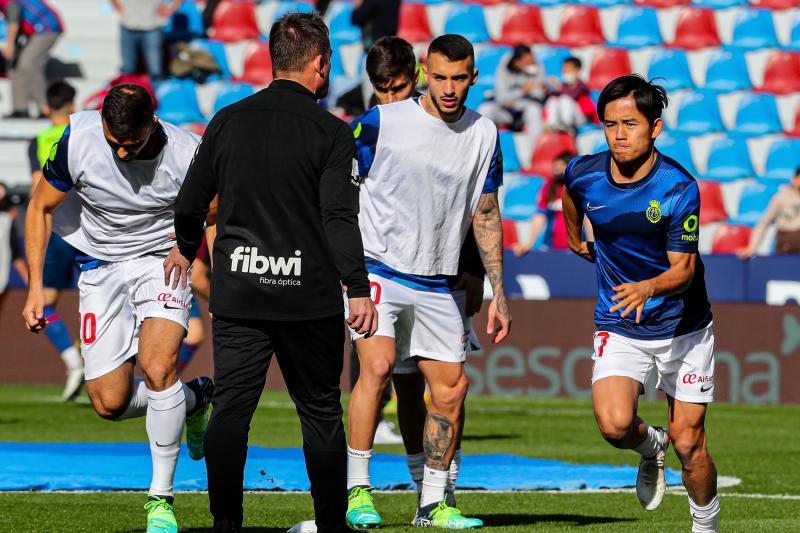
{"points": [[574, 61], [59, 95], [127, 110], [797, 172], [452, 46], [555, 184], [389, 58], [651, 99], [297, 38]]}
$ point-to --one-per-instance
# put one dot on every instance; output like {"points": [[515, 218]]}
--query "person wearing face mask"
{"points": [[569, 104]]}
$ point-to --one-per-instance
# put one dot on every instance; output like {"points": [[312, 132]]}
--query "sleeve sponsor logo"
{"points": [[690, 225]]}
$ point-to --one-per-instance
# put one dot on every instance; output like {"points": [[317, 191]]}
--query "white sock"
{"points": [[649, 446], [71, 357], [416, 467], [138, 404], [455, 464], [358, 468], [166, 414], [704, 519], [433, 485]]}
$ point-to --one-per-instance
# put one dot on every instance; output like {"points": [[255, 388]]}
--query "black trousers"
{"points": [[310, 357]]}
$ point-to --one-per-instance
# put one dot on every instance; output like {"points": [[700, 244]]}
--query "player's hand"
{"points": [[745, 253], [630, 297], [165, 10], [33, 312], [177, 263], [472, 286], [498, 313], [520, 249], [363, 318]]}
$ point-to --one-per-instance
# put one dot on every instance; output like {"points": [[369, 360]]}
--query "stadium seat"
{"points": [[712, 206], [753, 202], [521, 197], [342, 30], [727, 71], [414, 26], [291, 6], [231, 93], [217, 51], [607, 65], [757, 114], [234, 20], [185, 24], [661, 3], [580, 26], [638, 27], [677, 147], [509, 233], [754, 29], [509, 149], [551, 58], [719, 4], [177, 102], [698, 114], [522, 24], [696, 28], [257, 64], [467, 20], [730, 238], [485, 2], [729, 160], [672, 67], [774, 4], [782, 73], [489, 59], [783, 159], [541, 3], [605, 3], [794, 37], [549, 146]]}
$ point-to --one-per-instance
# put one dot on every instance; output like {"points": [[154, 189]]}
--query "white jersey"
{"points": [[125, 209], [421, 182]]}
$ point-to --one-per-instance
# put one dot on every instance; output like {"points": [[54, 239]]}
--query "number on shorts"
{"points": [[89, 328], [603, 341], [375, 292]]}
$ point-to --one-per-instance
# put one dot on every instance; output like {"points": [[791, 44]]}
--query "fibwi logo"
{"points": [[246, 259]]}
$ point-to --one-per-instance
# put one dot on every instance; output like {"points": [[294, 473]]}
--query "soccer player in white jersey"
{"points": [[429, 168], [119, 171]]}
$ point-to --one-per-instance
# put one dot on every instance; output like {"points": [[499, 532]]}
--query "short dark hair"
{"points": [[452, 46], [389, 58], [59, 95], [295, 39], [574, 61], [127, 109], [651, 99]]}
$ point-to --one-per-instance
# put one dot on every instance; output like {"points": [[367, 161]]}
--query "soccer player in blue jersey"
{"points": [[653, 309]]}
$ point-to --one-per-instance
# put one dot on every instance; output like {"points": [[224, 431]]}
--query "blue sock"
{"points": [[186, 354], [56, 330]]}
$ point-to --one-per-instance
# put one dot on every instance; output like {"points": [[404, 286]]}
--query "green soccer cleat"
{"points": [[160, 515], [361, 512], [444, 517], [197, 419]]}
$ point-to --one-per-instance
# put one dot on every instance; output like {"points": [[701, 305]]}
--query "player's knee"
{"points": [[615, 426], [108, 408], [379, 370], [449, 398], [689, 444], [159, 376]]}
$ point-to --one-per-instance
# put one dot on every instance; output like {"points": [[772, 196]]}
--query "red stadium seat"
{"points": [[234, 20], [485, 2], [782, 73], [662, 3], [774, 4], [607, 65], [257, 64], [509, 233], [796, 131], [549, 146], [522, 24], [712, 206], [730, 238], [697, 28], [414, 26], [580, 26]]}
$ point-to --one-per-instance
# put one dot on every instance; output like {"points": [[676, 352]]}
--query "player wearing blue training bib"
{"points": [[652, 311]]}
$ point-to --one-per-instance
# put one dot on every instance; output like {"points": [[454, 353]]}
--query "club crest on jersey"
{"points": [[654, 211]]}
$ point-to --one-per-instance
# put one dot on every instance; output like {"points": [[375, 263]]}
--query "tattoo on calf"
{"points": [[438, 439]]}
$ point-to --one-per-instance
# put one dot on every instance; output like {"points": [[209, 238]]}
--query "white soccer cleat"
{"points": [[306, 526], [650, 481], [74, 383], [384, 434]]}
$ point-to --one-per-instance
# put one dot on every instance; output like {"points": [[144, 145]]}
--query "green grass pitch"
{"points": [[757, 444]]}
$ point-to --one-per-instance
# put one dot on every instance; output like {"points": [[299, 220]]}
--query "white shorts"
{"points": [[685, 364], [423, 324], [115, 298]]}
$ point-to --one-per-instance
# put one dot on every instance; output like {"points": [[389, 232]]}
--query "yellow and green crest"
{"points": [[654, 211]]}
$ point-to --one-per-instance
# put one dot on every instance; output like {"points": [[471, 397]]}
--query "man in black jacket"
{"points": [[287, 235]]}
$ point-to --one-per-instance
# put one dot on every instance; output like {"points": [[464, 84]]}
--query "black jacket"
{"points": [[287, 221]]}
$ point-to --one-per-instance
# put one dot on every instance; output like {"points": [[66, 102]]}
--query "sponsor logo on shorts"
{"points": [[169, 298], [706, 387], [690, 379]]}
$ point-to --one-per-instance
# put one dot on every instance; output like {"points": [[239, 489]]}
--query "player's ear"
{"points": [[656, 128], [155, 125], [474, 79]]}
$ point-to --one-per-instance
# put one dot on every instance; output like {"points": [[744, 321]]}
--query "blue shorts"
{"points": [[59, 264]]}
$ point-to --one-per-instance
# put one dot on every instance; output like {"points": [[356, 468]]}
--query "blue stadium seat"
{"points": [[603, 3], [757, 115], [291, 6], [230, 93], [217, 51], [177, 102], [754, 29], [467, 20], [342, 30], [677, 147], [430, 2], [727, 71], [638, 27], [542, 3], [337, 66], [753, 202], [3, 29], [521, 197], [488, 60], [719, 4], [550, 58], [509, 149], [794, 39], [783, 159], [698, 114], [185, 24], [729, 160], [671, 65]]}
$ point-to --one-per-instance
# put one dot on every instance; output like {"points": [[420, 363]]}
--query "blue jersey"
{"points": [[635, 225]]}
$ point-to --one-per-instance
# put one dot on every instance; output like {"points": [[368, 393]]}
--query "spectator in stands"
{"points": [[519, 93], [569, 104], [141, 22], [783, 211], [33, 29], [10, 249], [322, 6], [376, 18]]}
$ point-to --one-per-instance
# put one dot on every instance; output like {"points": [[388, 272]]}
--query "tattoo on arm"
{"points": [[438, 439], [488, 228]]}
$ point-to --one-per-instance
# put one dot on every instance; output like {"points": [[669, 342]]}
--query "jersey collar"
{"points": [[636, 184]]}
